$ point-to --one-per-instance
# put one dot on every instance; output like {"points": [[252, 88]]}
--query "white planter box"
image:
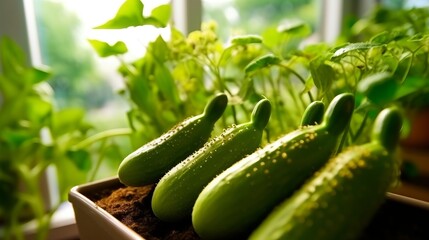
{"points": [[95, 223]]}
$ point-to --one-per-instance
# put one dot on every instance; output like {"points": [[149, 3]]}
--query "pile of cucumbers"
{"points": [[296, 187]]}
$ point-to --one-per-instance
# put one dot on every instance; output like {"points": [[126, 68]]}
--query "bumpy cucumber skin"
{"points": [[150, 162], [336, 202], [340, 199], [237, 200], [176, 192]]}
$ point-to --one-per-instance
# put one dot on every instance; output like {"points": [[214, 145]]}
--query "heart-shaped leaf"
{"points": [[130, 14], [103, 49]]}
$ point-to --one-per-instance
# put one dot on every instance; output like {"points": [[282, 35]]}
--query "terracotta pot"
{"points": [[399, 216]]}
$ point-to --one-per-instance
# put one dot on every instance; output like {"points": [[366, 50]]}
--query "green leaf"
{"points": [[271, 37], [383, 37], [67, 120], [15, 138], [170, 116], [68, 175], [12, 58], [130, 14], [8, 90], [166, 84], [295, 27], [162, 14], [37, 75], [141, 93], [159, 49], [262, 62], [248, 92], [390, 61], [313, 50], [379, 88], [387, 36], [38, 110], [322, 73], [114, 153], [14, 67], [246, 39], [103, 49], [413, 44], [80, 158], [309, 84], [350, 47], [414, 87]]}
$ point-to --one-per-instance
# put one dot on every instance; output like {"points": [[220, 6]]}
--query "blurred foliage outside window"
{"points": [[81, 79], [75, 80], [254, 16]]}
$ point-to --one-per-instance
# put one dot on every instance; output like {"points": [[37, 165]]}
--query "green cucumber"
{"points": [[150, 162], [313, 114], [176, 192], [340, 199], [238, 199]]}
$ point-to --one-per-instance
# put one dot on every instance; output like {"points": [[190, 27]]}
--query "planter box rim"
{"points": [[86, 211], [409, 200]]}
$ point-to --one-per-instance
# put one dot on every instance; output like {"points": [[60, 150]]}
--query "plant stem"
{"points": [[14, 231], [234, 114], [276, 100], [292, 92], [343, 139], [300, 78], [361, 128], [345, 75], [407, 70], [33, 196], [99, 160], [103, 135]]}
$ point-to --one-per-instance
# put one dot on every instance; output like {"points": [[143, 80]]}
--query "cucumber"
{"points": [[176, 192], [313, 114], [340, 199], [149, 163], [238, 199]]}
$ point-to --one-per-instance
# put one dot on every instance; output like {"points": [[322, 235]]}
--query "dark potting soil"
{"points": [[131, 205]]}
